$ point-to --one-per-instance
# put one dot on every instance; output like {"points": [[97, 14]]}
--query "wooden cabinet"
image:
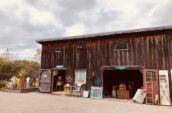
{"points": [[68, 90], [45, 81]]}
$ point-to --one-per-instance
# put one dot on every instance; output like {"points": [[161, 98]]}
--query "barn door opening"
{"points": [[121, 84], [151, 86], [45, 81], [58, 79]]}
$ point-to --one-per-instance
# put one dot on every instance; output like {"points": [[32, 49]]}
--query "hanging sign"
{"points": [[120, 67]]}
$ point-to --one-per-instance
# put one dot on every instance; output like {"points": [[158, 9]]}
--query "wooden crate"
{"points": [[122, 87], [123, 94]]}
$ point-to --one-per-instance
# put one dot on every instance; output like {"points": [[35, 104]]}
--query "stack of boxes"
{"points": [[123, 93]]}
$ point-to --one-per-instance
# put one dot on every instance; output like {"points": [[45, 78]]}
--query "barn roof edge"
{"points": [[150, 29]]}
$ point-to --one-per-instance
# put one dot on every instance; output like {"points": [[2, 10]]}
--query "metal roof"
{"points": [[151, 29]]}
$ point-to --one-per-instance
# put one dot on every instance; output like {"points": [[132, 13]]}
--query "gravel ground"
{"points": [[46, 103]]}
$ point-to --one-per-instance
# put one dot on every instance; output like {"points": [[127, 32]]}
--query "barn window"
{"points": [[80, 76], [80, 45], [121, 46], [58, 50]]}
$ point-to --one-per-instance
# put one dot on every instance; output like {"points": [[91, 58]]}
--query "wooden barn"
{"points": [[141, 58]]}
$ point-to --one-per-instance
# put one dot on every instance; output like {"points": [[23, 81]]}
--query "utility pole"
{"points": [[7, 54]]}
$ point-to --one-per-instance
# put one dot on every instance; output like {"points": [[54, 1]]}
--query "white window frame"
{"points": [[125, 49], [78, 75]]}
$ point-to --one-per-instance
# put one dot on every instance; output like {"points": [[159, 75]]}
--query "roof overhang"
{"points": [[152, 29]]}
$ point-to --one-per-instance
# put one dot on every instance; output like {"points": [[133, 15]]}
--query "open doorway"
{"points": [[124, 83], [58, 81]]}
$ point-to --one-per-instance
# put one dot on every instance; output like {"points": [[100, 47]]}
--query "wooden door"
{"points": [[151, 86], [164, 87], [45, 81]]}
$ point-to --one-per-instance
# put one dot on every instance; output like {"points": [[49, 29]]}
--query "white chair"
{"points": [[77, 90]]}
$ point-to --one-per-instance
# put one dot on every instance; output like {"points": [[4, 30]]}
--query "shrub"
{"points": [[2, 84]]}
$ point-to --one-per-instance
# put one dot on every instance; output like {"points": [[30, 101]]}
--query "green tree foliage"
{"points": [[13, 68]]}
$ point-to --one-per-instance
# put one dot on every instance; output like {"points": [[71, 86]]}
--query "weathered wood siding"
{"points": [[152, 50]]}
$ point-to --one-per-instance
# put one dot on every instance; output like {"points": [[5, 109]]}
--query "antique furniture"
{"points": [[77, 90], [68, 90], [45, 80]]}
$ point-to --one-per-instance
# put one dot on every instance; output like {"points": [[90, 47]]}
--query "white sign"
{"points": [[85, 94], [45, 76], [164, 87], [139, 96]]}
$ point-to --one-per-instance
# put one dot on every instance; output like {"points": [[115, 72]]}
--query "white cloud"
{"points": [[77, 29], [5, 4], [35, 16], [41, 17], [24, 54], [24, 21], [162, 13], [128, 7]]}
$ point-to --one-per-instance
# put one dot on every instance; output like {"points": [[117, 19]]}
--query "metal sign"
{"points": [[120, 67]]}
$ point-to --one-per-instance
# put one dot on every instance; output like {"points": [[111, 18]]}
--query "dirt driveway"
{"points": [[46, 103]]}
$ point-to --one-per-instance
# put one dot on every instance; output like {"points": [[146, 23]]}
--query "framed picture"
{"points": [[96, 92]]}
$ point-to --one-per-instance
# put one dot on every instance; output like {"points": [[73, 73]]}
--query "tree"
{"points": [[12, 68]]}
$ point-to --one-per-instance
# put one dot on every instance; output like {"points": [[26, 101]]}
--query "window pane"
{"points": [[80, 76]]}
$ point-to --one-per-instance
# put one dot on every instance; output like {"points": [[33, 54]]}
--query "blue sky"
{"points": [[24, 21]]}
